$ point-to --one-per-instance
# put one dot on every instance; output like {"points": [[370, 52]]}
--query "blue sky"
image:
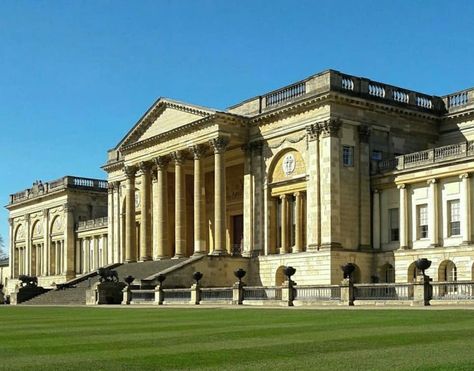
{"points": [[76, 75]]}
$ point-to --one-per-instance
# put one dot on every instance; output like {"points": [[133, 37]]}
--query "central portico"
{"points": [[177, 184]]}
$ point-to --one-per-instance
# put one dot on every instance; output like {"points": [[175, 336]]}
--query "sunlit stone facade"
{"points": [[329, 170]]}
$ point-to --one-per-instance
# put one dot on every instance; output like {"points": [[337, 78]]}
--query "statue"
{"points": [[107, 275]]}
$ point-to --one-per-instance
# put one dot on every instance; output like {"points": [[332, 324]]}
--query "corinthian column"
{"points": [[180, 205], [199, 195], [130, 221], [145, 225], [161, 209], [219, 145]]}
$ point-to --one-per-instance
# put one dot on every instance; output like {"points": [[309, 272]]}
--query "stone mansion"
{"points": [[329, 170]]}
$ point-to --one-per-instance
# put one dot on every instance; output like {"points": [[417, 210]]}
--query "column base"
{"points": [[178, 256], [404, 248], [312, 248], [465, 243], [219, 253], [163, 257], [144, 258], [199, 253], [130, 261], [331, 246]]}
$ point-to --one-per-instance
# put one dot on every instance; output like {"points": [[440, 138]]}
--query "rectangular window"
{"points": [[394, 220], [422, 212], [348, 155], [377, 155], [454, 218]]}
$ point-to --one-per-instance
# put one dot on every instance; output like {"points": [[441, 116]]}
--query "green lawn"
{"points": [[263, 339]]}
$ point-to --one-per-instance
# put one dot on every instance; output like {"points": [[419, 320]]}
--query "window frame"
{"points": [[349, 157], [452, 222], [422, 229]]}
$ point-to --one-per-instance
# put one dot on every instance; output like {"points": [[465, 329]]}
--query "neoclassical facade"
{"points": [[329, 170]]}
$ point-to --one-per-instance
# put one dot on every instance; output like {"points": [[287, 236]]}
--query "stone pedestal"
{"points": [[195, 294], [288, 293], [159, 295], [105, 293], [237, 293], [347, 292], [422, 291], [126, 296]]}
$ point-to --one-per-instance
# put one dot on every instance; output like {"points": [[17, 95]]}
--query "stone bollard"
{"points": [[195, 294], [159, 294], [422, 291], [127, 295], [92, 295], [237, 293], [288, 292], [347, 292]]}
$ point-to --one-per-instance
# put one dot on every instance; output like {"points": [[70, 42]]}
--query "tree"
{"points": [[3, 254]]}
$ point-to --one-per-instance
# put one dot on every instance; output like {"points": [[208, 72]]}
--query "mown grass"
{"points": [[44, 338]]}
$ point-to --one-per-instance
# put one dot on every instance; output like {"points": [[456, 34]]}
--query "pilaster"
{"points": [[330, 183], [313, 225]]}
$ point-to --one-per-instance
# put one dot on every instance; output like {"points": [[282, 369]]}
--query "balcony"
{"points": [[427, 157]]}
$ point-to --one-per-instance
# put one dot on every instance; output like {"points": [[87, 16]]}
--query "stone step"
{"points": [[77, 295]]}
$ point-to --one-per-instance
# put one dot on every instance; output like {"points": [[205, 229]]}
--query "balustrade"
{"points": [[458, 99], [285, 94]]}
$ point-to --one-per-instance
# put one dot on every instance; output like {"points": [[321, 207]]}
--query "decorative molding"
{"points": [[464, 176], [431, 181], [289, 140], [401, 186]]}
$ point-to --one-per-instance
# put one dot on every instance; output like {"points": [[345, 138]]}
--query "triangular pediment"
{"points": [[164, 116]]}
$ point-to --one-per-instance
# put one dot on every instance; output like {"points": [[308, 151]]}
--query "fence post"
{"points": [[422, 291], [195, 294], [347, 292], [237, 293], [159, 297]]}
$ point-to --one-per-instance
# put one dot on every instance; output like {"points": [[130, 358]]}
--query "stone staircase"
{"points": [[76, 294]]}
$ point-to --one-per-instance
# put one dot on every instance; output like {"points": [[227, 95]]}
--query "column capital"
{"points": [[68, 207], [329, 128], [313, 131], [432, 181], [401, 186], [198, 151], [464, 176], [219, 144], [130, 171], [364, 133], [376, 190], [179, 157], [116, 184], [10, 221], [162, 162], [110, 187], [144, 166], [283, 197]]}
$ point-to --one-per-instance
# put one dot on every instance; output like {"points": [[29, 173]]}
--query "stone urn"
{"points": [[347, 270], [197, 277], [423, 264], [240, 273]]}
